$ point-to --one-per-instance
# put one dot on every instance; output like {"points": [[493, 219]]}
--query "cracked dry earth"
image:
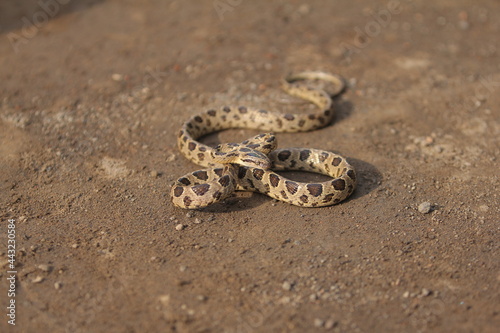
{"points": [[92, 94]]}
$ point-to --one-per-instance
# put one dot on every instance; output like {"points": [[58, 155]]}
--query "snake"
{"points": [[253, 164]]}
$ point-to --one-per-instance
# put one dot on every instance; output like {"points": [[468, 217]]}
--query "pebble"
{"points": [[179, 227], [190, 214], [58, 285], [44, 267], [330, 323], [154, 173], [287, 286], [425, 207], [197, 221], [38, 279], [319, 322]]}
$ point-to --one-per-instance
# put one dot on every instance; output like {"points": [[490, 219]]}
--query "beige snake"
{"points": [[250, 165]]}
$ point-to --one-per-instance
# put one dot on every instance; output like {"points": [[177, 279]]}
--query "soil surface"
{"points": [[92, 94]]}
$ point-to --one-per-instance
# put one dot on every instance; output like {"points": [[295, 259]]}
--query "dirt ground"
{"points": [[92, 94]]}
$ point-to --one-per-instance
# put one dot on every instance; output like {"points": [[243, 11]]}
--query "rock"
{"points": [[425, 207]]}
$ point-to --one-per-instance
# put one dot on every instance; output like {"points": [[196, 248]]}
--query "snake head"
{"points": [[241, 155]]}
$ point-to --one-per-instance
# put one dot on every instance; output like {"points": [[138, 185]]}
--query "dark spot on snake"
{"points": [[304, 198], [338, 184], [266, 188], [218, 172], [301, 122], [315, 189], [226, 109], [245, 142], [314, 204], [292, 187], [184, 138], [321, 119], [189, 125], [198, 119], [284, 155], [283, 194], [311, 116], [223, 117], [217, 195], [184, 181], [225, 180], [253, 145], [279, 122], [267, 146], [336, 201], [327, 113], [236, 117], [328, 197], [242, 172], [263, 111], [258, 173], [351, 174], [187, 201], [211, 113], [323, 156], [271, 139], [181, 133], [178, 191], [304, 154], [245, 150], [289, 117], [202, 148], [242, 109], [200, 189], [201, 156], [201, 174], [336, 161], [192, 146], [274, 179], [350, 189], [293, 163]]}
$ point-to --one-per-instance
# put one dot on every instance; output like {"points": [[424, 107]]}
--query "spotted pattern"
{"points": [[252, 165]]}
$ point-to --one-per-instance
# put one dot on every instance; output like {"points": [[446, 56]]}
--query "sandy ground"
{"points": [[92, 94]]}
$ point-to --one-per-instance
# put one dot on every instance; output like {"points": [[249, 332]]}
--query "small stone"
{"points": [[44, 267], [287, 286], [426, 292], [154, 173], [406, 294], [313, 297], [182, 268], [330, 323], [319, 322], [117, 77], [197, 221], [190, 214], [425, 207], [58, 285], [179, 227], [75, 246], [38, 279]]}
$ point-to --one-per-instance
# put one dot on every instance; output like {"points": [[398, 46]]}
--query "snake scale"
{"points": [[252, 164]]}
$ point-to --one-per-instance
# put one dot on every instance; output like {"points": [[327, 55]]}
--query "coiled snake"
{"points": [[251, 164]]}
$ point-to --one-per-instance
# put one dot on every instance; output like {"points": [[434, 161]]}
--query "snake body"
{"points": [[251, 164]]}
